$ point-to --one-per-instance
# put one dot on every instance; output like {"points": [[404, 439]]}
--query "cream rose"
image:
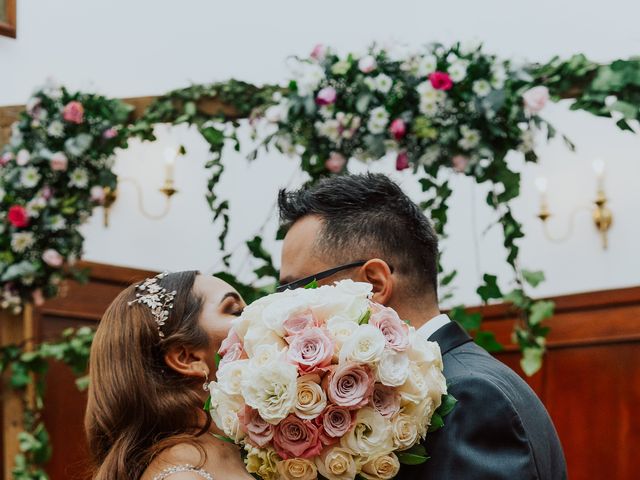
{"points": [[405, 431], [271, 390], [259, 334], [224, 412], [423, 381], [423, 351], [370, 435], [336, 463], [364, 346], [262, 462], [341, 328], [311, 399], [229, 376], [382, 467], [297, 469], [347, 298], [393, 368], [263, 354], [421, 414]]}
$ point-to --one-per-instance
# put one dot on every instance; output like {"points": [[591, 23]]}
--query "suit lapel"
{"points": [[450, 336]]}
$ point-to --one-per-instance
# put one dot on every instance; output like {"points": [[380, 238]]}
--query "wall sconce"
{"points": [[167, 189], [600, 212]]}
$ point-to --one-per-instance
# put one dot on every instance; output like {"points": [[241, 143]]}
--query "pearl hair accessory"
{"points": [[157, 298]]}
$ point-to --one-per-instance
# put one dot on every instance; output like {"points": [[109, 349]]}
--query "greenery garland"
{"points": [[412, 104]]}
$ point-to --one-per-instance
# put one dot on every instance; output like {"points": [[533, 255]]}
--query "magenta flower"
{"points": [[402, 161], [398, 128], [441, 80], [326, 96]]}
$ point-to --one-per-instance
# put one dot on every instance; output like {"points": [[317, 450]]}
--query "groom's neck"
{"points": [[417, 311]]}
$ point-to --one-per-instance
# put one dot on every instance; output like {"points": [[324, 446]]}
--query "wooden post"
{"points": [[19, 330]]}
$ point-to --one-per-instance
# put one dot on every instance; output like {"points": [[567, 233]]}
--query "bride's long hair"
{"points": [[137, 405]]}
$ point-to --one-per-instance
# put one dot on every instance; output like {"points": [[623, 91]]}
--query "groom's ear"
{"points": [[190, 363], [377, 273]]}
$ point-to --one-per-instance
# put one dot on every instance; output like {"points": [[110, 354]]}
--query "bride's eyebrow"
{"points": [[233, 295]]}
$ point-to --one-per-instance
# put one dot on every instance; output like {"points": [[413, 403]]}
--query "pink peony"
{"points": [[535, 99], [236, 352], [367, 64], [260, 432], [398, 128], [228, 343], [402, 161], [295, 437], [59, 162], [336, 421], [18, 216], [335, 163], [459, 163], [295, 324], [5, 158], [52, 258], [386, 400], [395, 331], [73, 112], [319, 52], [110, 133], [350, 385], [440, 81], [97, 194], [326, 96], [311, 349]]}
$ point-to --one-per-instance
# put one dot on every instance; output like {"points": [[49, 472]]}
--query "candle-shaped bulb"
{"points": [[598, 167], [170, 154], [541, 185]]}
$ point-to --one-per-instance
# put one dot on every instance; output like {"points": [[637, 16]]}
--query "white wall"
{"points": [[142, 47]]}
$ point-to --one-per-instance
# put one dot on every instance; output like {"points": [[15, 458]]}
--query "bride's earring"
{"points": [[205, 385]]}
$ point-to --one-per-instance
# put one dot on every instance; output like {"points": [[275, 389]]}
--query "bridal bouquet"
{"points": [[323, 382]]}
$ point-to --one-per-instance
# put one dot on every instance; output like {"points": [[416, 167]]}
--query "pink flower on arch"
{"points": [[441, 80], [73, 112]]}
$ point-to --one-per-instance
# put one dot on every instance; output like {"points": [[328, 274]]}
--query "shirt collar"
{"points": [[433, 325]]}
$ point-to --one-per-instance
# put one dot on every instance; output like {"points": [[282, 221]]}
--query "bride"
{"points": [[153, 351]]}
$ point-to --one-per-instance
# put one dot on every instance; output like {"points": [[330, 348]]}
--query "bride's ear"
{"points": [[378, 273], [191, 363]]}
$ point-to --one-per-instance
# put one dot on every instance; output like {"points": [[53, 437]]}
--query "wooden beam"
{"points": [[18, 330]]}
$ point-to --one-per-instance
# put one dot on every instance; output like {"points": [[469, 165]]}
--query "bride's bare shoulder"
{"points": [[179, 458]]}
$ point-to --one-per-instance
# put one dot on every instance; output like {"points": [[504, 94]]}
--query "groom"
{"points": [[365, 228]]}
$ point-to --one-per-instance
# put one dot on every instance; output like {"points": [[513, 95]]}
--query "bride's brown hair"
{"points": [[138, 405]]}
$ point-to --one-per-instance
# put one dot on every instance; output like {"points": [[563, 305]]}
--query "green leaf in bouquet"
{"points": [[364, 319], [217, 359], [223, 438], [207, 405], [436, 422], [447, 405], [413, 456], [311, 285]]}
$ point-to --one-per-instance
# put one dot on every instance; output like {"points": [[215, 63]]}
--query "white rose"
{"points": [[272, 390], [393, 368], [297, 469], [341, 328], [383, 83], [405, 431], [336, 463], [263, 354], [229, 376], [347, 298], [458, 71], [224, 412], [365, 345], [311, 399], [382, 467], [421, 414], [424, 381], [370, 435], [423, 351], [259, 334], [285, 305]]}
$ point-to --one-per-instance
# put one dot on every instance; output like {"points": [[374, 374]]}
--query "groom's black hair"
{"points": [[367, 216]]}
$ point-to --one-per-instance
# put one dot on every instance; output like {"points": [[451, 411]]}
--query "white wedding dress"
{"points": [[167, 472]]}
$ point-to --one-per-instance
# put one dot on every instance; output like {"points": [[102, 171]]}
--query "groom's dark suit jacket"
{"points": [[499, 429]]}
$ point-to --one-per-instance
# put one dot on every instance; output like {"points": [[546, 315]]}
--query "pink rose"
{"points": [[311, 349], [440, 81], [295, 437], [236, 352], [231, 340], [38, 297], [97, 194], [367, 64], [398, 128], [295, 324], [336, 421], [18, 216], [5, 158], [47, 192], [535, 98], [52, 258], [395, 331], [386, 400], [335, 163], [319, 52], [59, 162], [326, 96], [402, 161], [460, 163], [73, 112], [260, 432], [110, 133], [350, 385]]}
